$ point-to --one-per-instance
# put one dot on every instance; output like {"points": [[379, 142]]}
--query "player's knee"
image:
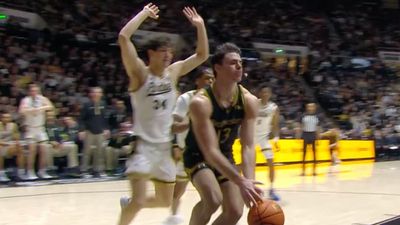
{"points": [[234, 213], [212, 204]]}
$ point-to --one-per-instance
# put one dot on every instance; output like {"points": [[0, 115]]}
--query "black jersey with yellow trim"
{"points": [[226, 122]]}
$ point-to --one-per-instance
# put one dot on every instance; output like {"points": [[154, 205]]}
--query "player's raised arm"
{"points": [[183, 67], [247, 136], [134, 66]]}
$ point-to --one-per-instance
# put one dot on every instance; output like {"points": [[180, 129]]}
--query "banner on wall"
{"points": [[291, 151]]}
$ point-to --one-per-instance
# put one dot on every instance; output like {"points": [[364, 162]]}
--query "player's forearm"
{"points": [[219, 161], [179, 127], [128, 30], [202, 49], [248, 162], [27, 110]]}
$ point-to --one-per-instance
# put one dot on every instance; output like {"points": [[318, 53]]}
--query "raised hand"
{"points": [[192, 15], [151, 10]]}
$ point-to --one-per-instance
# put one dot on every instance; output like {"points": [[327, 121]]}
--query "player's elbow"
{"points": [[202, 55], [211, 158], [122, 37]]}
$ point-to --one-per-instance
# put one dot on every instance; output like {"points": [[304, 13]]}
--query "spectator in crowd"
{"points": [[94, 132], [10, 146], [118, 115], [60, 145], [121, 144]]}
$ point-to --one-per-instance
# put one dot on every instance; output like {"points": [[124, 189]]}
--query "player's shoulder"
{"points": [[249, 97], [188, 94], [201, 98]]}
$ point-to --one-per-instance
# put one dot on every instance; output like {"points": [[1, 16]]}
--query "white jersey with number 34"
{"points": [[154, 103]]}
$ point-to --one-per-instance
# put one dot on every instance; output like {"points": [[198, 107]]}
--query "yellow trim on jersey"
{"points": [[243, 98]]}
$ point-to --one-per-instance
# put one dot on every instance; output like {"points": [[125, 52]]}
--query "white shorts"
{"points": [[36, 134], [153, 159], [265, 146]]}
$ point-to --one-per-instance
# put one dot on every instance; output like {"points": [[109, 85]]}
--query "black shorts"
{"points": [[309, 137], [194, 162], [191, 172]]}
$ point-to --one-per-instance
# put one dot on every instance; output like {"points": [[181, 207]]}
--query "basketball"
{"points": [[266, 212]]}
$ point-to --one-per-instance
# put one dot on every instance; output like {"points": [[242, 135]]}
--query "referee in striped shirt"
{"points": [[310, 128]]}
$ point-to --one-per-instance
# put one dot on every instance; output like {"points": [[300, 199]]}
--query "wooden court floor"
{"points": [[352, 193]]}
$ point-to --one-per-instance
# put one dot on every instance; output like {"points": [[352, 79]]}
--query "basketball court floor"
{"points": [[353, 193]]}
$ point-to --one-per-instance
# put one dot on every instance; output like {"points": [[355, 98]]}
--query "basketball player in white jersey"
{"points": [[180, 127], [154, 96], [267, 124], [33, 108]]}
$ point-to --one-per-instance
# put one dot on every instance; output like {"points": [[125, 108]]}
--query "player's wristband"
{"points": [[175, 142]]}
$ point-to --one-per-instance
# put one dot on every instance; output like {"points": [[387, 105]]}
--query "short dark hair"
{"points": [[32, 85], [220, 53], [201, 71], [262, 86], [158, 42]]}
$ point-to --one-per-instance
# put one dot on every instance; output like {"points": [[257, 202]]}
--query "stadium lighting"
{"points": [[279, 50], [3, 16]]}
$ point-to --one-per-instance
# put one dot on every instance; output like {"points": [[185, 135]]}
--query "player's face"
{"points": [[311, 108], [162, 56], [265, 94], [33, 91], [231, 67], [96, 94], [204, 81]]}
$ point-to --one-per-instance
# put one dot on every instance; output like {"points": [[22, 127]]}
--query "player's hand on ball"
{"points": [[192, 15], [251, 194], [151, 10]]}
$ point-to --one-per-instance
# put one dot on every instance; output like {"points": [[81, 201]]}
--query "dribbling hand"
{"points": [[251, 194], [192, 15], [151, 10]]}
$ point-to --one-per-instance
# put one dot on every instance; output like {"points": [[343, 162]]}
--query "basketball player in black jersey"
{"points": [[216, 113]]}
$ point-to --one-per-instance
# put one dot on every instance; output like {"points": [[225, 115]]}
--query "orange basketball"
{"points": [[266, 212]]}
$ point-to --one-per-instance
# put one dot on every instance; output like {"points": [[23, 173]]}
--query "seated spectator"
{"points": [[121, 144], [9, 146], [71, 128], [60, 144], [118, 115]]}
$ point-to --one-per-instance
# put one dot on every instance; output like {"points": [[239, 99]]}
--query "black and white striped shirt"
{"points": [[310, 123]]}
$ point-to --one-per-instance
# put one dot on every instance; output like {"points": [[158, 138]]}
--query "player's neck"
{"points": [[156, 70], [224, 91], [264, 101]]}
